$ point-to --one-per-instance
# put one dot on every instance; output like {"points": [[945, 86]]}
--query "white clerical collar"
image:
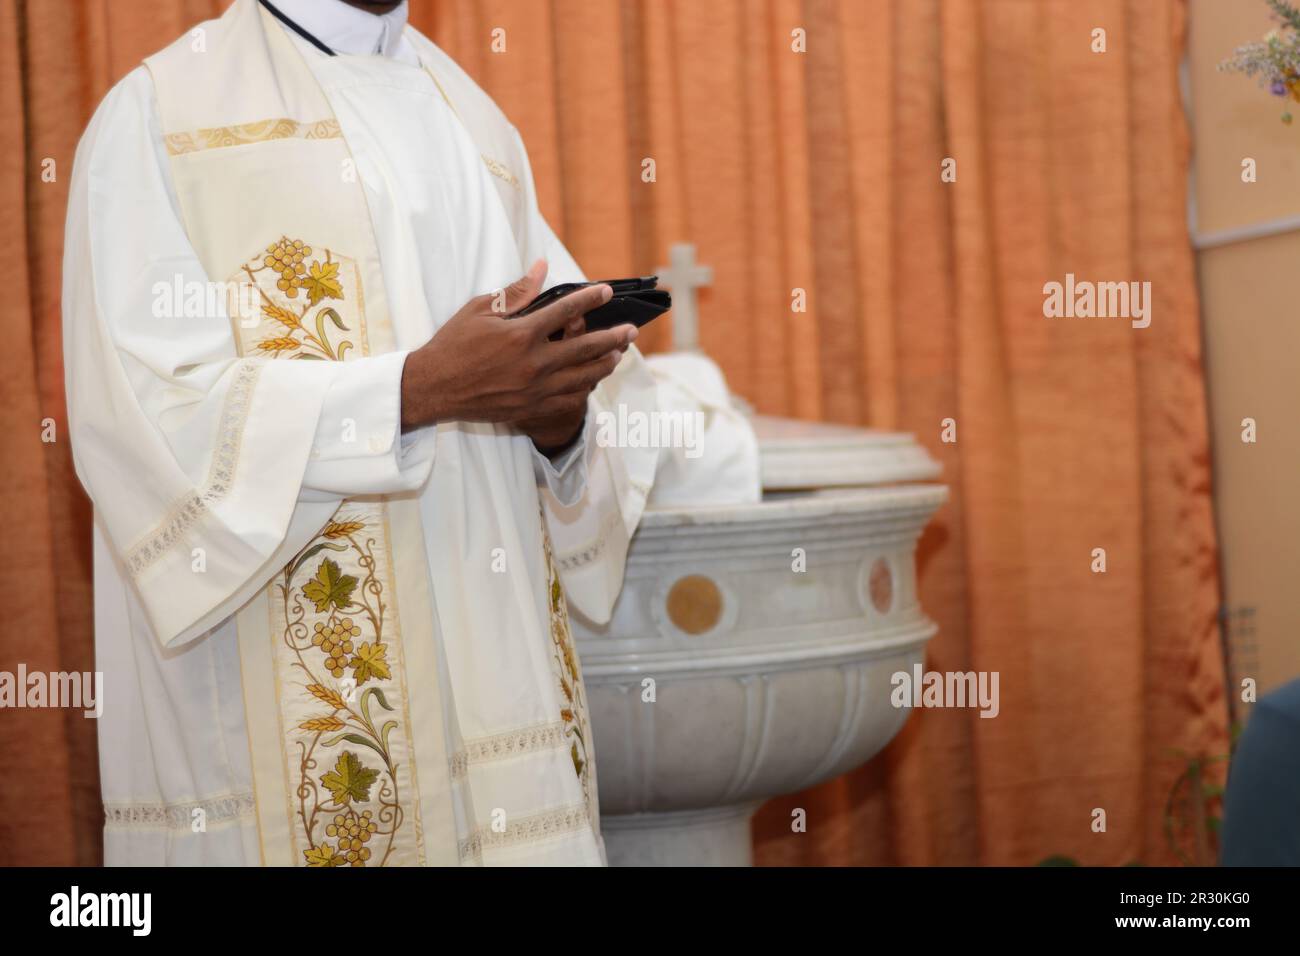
{"points": [[346, 29]]}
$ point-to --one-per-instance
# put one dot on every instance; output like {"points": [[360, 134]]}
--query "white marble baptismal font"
{"points": [[751, 649], [727, 675]]}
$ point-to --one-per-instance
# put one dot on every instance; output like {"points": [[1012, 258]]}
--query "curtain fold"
{"points": [[819, 173]]}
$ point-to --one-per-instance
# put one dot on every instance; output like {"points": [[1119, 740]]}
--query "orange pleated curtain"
{"points": [[815, 171]]}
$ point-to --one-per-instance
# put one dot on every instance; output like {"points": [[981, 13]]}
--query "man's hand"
{"points": [[554, 434], [482, 367]]}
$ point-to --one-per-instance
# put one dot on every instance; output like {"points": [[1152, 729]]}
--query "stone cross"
{"points": [[682, 277]]}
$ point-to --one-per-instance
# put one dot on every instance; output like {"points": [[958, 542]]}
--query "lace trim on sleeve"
{"points": [[512, 743], [592, 550], [177, 816], [221, 475], [540, 826]]}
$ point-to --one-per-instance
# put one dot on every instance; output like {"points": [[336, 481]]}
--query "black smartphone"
{"points": [[636, 301]]}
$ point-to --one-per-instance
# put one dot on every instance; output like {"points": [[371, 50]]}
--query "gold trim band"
{"points": [[261, 131]]}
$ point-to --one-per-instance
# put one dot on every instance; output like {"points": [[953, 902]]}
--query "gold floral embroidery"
{"points": [[350, 775], [217, 137], [564, 658], [296, 331], [341, 529], [337, 655]]}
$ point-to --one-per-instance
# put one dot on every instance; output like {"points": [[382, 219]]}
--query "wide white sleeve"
{"points": [[359, 447], [594, 497], [206, 468]]}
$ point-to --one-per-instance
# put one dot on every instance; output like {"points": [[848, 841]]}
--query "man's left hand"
{"points": [[555, 433]]}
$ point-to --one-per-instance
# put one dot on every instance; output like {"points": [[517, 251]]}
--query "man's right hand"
{"points": [[482, 367]]}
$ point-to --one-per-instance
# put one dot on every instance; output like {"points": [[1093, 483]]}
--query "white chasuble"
{"points": [[324, 642]]}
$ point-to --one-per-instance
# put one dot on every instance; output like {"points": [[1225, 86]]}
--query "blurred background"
{"points": [[821, 171]]}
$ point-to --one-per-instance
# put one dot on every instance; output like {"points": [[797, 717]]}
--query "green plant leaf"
{"points": [[334, 316], [365, 742], [330, 586], [388, 729], [349, 780], [365, 701]]}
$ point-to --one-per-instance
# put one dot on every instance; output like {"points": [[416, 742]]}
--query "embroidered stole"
{"points": [[344, 681]]}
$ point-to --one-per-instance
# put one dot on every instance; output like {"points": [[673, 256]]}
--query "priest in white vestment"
{"points": [[333, 630]]}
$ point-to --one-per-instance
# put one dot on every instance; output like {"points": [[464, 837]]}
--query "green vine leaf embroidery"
{"points": [[370, 660], [349, 780], [322, 281], [324, 855], [330, 586]]}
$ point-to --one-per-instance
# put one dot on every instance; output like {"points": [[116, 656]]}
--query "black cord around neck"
{"points": [[279, 15]]}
